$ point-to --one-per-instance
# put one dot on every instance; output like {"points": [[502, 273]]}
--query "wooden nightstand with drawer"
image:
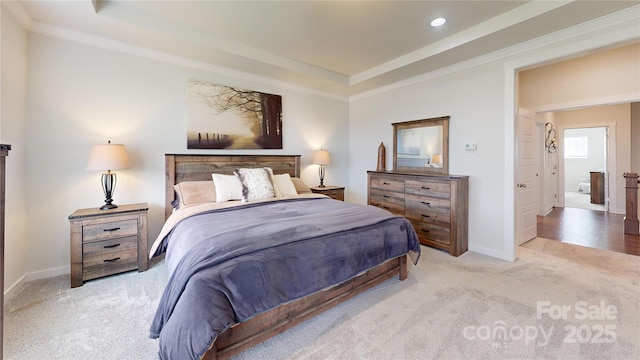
{"points": [[107, 242], [334, 192]]}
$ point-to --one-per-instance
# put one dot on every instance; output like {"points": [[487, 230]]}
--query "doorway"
{"points": [[544, 85], [585, 168]]}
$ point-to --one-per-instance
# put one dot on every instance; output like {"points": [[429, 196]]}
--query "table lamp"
{"points": [[321, 157], [108, 157]]}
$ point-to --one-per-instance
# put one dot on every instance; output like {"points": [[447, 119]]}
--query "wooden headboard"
{"points": [[196, 167]]}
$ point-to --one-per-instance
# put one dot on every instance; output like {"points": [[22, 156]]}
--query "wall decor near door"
{"points": [[226, 117]]}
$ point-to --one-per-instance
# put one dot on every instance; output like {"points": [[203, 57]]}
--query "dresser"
{"points": [[597, 187], [334, 192], [106, 242], [436, 205]]}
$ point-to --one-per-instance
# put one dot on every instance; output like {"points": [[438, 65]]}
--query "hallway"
{"points": [[591, 228]]}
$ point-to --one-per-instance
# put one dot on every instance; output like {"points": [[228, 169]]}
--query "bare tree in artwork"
{"points": [[260, 112]]}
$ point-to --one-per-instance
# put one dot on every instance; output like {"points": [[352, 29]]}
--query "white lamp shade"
{"points": [[108, 157], [321, 157]]}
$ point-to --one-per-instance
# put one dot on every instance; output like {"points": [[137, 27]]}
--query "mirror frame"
{"points": [[424, 123]]}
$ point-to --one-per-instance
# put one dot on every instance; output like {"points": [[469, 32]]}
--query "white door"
{"points": [[525, 178]]}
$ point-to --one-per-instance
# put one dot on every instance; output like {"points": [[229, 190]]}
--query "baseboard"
{"points": [[15, 288]]}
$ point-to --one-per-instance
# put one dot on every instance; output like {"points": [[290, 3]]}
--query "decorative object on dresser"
{"points": [[382, 157], [108, 157], [334, 192], [4, 152], [437, 205], [106, 242], [421, 146], [321, 157]]}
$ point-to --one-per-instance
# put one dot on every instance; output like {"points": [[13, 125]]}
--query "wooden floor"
{"points": [[591, 228]]}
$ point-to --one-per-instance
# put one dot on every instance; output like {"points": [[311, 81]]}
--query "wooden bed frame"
{"points": [[244, 335]]}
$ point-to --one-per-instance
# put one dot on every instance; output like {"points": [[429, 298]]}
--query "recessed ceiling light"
{"points": [[438, 22]]}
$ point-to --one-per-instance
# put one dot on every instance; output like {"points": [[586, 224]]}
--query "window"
{"points": [[576, 147]]}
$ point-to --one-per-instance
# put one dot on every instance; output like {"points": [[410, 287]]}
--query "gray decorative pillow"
{"points": [[256, 183]]}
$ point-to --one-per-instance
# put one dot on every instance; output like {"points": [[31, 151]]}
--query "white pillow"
{"points": [[283, 184], [256, 183], [228, 187]]}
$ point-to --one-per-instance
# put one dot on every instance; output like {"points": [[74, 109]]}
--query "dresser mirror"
{"points": [[421, 146]]}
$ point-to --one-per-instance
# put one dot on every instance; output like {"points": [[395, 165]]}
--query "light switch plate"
{"points": [[471, 146]]}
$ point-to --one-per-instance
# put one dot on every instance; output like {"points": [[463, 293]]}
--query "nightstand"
{"points": [[334, 192], [106, 242]]}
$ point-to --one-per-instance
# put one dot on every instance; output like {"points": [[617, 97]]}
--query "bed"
{"points": [[584, 186], [228, 292]]}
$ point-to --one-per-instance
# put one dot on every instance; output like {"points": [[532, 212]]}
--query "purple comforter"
{"points": [[245, 260]]}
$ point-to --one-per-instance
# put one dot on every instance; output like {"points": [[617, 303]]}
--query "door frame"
{"points": [[511, 69], [611, 191]]}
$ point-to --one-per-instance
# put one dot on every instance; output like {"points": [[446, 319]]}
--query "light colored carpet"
{"points": [[580, 200], [448, 308]]}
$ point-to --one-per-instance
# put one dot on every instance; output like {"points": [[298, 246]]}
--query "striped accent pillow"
{"points": [[257, 183]]}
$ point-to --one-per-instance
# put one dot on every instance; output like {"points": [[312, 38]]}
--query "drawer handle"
{"points": [[427, 216], [385, 183], [112, 229], [111, 246], [386, 207], [112, 260], [425, 230], [426, 203], [426, 188], [386, 196]]}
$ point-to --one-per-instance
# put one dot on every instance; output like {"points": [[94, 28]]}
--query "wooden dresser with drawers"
{"points": [[436, 205], [106, 242]]}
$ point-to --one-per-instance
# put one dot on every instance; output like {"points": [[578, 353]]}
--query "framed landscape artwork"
{"points": [[225, 117]]}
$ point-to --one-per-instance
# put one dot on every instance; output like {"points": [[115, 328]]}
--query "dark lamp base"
{"points": [[108, 206], [108, 187]]}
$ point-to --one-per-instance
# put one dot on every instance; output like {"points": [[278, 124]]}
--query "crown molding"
{"points": [[103, 43], [17, 11]]}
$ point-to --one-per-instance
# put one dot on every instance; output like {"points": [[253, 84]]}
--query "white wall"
{"points": [[80, 95], [12, 117]]}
